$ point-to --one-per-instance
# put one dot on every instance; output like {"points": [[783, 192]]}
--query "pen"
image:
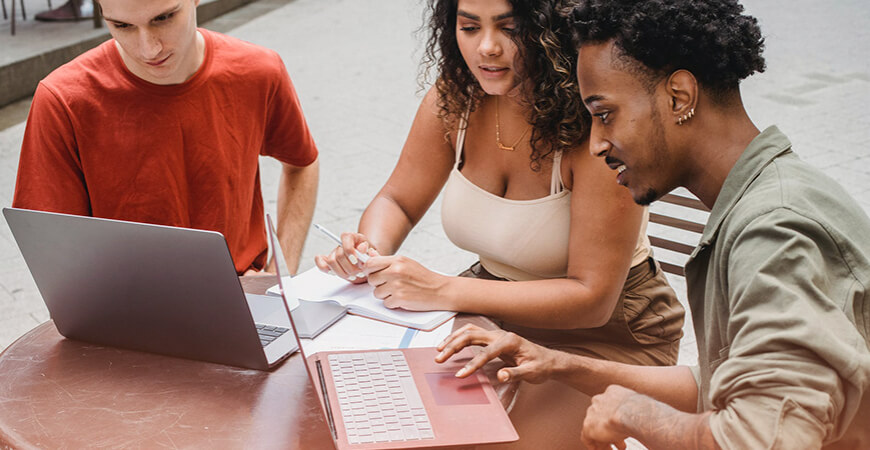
{"points": [[361, 256]]}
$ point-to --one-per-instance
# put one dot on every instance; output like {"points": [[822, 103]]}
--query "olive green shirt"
{"points": [[778, 288]]}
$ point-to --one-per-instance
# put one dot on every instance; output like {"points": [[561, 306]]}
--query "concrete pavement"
{"points": [[354, 64]]}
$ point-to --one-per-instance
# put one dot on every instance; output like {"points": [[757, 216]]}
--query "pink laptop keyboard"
{"points": [[378, 399]]}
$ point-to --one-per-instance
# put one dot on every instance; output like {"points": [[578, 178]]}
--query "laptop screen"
{"points": [[280, 266], [315, 374]]}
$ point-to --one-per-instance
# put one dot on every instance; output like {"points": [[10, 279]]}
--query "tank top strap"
{"points": [[556, 184], [460, 136]]}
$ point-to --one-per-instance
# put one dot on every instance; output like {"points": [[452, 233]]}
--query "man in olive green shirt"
{"points": [[778, 285]]}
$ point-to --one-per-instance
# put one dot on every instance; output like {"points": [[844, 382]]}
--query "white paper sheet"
{"points": [[358, 333]]}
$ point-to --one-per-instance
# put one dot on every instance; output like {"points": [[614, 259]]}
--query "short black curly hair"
{"points": [[712, 39]]}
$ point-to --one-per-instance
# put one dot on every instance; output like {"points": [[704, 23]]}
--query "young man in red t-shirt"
{"points": [[164, 124]]}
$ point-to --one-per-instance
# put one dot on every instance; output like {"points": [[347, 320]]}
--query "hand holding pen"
{"points": [[343, 262], [399, 281]]}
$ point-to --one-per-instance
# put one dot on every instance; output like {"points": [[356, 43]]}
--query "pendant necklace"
{"points": [[508, 148]]}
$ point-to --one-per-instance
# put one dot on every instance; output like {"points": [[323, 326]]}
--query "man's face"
{"points": [[627, 126], [156, 38]]}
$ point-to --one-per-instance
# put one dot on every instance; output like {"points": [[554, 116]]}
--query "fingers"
{"points": [[459, 338], [522, 372], [494, 341], [506, 347], [342, 261], [345, 267], [479, 360], [377, 264], [320, 262], [598, 445], [350, 242]]}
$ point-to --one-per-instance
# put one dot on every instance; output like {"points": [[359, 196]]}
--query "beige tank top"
{"points": [[518, 240]]}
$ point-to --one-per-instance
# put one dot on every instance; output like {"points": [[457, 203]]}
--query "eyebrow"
{"points": [[468, 15], [168, 11], [593, 98]]}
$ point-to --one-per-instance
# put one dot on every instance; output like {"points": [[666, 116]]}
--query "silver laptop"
{"points": [[154, 288], [399, 398]]}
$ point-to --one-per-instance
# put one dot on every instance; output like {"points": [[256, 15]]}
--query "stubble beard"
{"points": [[658, 149]]}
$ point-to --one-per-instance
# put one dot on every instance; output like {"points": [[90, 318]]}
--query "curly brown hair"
{"points": [[546, 58]]}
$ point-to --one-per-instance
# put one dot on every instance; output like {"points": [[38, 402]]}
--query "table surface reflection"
{"points": [[58, 392]]}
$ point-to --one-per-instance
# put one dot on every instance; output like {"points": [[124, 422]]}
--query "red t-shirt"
{"points": [[101, 141]]}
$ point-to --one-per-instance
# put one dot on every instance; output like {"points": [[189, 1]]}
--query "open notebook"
{"points": [[316, 286]]}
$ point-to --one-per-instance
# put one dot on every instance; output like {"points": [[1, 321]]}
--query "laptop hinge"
{"points": [[329, 417]]}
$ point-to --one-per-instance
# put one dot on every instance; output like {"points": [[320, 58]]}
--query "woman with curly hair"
{"points": [[502, 133], [564, 258]]}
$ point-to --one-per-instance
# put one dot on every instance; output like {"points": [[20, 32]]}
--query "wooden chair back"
{"points": [[676, 222]]}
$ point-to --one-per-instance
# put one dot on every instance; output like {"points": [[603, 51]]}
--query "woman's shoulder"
{"points": [[433, 114], [578, 163]]}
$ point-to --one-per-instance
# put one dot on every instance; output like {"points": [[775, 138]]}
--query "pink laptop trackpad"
{"points": [[449, 390]]}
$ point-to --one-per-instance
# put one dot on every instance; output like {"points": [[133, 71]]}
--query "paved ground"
{"points": [[33, 37], [354, 64]]}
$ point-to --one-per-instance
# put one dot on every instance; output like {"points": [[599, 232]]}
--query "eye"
{"points": [[602, 116], [163, 17], [120, 26], [468, 28]]}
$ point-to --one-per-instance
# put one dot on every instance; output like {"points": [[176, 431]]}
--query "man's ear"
{"points": [[682, 87]]}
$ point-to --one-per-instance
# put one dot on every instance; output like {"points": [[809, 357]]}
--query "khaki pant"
{"points": [[645, 327]]}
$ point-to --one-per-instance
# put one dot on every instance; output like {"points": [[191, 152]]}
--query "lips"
{"points": [[613, 163], [492, 71], [618, 166]]}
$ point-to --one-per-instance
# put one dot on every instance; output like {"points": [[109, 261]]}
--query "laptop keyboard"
{"points": [[269, 333], [378, 399]]}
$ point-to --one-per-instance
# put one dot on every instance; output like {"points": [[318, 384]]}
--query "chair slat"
{"points": [[672, 268], [668, 244], [676, 223], [688, 202]]}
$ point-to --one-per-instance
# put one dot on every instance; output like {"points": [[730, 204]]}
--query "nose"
{"points": [[598, 145], [489, 44], [149, 45]]}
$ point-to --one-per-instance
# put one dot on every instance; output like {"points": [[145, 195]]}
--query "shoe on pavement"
{"points": [[69, 11]]}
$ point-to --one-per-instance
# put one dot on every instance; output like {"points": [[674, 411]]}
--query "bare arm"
{"points": [[674, 385], [419, 175], [656, 405], [620, 413], [605, 224], [297, 194]]}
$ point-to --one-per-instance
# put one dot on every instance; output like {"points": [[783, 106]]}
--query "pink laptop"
{"points": [[401, 398]]}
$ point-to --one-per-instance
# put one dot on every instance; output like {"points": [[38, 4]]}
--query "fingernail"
{"points": [[352, 259], [360, 275], [351, 277], [440, 355], [461, 372]]}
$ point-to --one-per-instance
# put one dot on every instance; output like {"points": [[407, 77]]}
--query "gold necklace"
{"points": [[498, 131]]}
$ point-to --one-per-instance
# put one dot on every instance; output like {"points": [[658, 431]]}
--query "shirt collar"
{"points": [[763, 149]]}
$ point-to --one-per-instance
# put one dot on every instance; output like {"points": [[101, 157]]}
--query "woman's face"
{"points": [[483, 31]]}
